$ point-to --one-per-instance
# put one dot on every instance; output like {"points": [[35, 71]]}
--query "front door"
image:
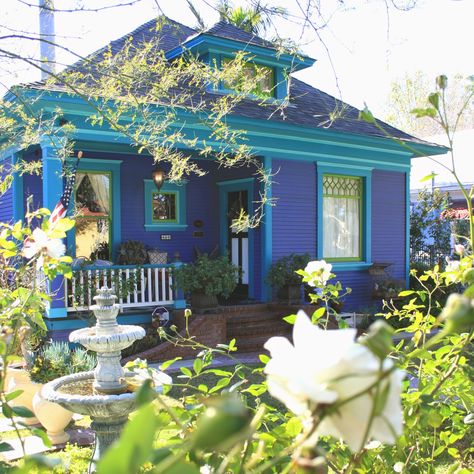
{"points": [[238, 239]]}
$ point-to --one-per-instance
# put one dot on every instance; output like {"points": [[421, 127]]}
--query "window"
{"points": [[164, 207], [165, 210], [342, 217], [261, 78], [93, 210]]}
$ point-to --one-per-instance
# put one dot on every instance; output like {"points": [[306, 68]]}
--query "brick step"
{"points": [[252, 345], [258, 317], [261, 327]]}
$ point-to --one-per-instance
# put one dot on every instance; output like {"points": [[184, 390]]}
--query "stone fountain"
{"points": [[104, 394]]}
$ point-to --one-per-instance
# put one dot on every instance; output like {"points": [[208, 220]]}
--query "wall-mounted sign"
{"points": [[165, 236], [198, 223], [198, 234]]}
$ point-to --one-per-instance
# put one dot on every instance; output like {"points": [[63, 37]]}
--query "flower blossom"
{"points": [[459, 249], [320, 272], [322, 368], [40, 243]]}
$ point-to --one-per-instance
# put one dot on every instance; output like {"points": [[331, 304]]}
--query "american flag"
{"points": [[61, 207]]}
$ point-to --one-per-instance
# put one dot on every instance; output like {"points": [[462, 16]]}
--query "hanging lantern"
{"points": [[158, 176]]}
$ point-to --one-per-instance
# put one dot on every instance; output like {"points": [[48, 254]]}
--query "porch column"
{"points": [[179, 301], [18, 194], [52, 191], [267, 222]]}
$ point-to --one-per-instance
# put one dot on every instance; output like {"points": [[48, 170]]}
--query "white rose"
{"points": [[324, 367], [320, 272], [40, 243]]}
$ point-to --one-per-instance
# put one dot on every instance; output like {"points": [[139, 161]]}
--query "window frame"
{"points": [[272, 95], [179, 190], [350, 171], [176, 204]]}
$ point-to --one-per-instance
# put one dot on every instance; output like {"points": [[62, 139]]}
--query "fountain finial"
{"points": [[106, 312]]}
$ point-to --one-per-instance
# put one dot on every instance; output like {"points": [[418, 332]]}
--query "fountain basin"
{"points": [[124, 337], [95, 405]]}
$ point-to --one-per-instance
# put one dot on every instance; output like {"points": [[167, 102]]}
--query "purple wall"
{"points": [[294, 223], [389, 220], [202, 204], [294, 215], [6, 199]]}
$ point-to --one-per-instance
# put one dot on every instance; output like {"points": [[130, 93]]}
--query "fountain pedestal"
{"points": [[106, 399]]}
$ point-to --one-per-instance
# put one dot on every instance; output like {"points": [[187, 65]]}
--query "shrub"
{"points": [[217, 277]]}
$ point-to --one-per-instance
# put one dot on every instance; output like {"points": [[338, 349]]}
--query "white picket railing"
{"points": [[135, 287]]}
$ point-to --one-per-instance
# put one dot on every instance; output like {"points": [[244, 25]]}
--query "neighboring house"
{"points": [[342, 193]]}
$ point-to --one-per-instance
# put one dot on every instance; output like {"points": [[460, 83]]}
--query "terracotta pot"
{"points": [[19, 379], [53, 417]]}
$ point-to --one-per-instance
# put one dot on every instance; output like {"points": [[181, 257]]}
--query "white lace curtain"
{"points": [[101, 185], [341, 221]]}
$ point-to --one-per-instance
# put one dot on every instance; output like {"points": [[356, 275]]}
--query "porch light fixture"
{"points": [[158, 176]]}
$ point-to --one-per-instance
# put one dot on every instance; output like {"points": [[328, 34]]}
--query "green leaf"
{"points": [[433, 99], [264, 358], [428, 177], [420, 112], [183, 468], [145, 393], [290, 319], [12, 395], [186, 371], [23, 412], [5, 447], [42, 434], [318, 314], [406, 293], [293, 427], [435, 419], [221, 383], [135, 445], [168, 363], [367, 116], [197, 366]]}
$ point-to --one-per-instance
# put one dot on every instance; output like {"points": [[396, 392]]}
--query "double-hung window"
{"points": [[344, 215]]}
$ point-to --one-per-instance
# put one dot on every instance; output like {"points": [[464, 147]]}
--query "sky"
{"points": [[369, 47]]}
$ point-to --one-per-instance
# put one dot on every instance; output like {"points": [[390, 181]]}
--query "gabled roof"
{"points": [[307, 106]]}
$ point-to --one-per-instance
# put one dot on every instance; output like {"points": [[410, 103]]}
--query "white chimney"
{"points": [[47, 50]]}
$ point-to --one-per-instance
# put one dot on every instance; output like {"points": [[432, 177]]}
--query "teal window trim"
{"points": [[366, 235], [279, 91], [224, 187], [18, 191], [111, 167], [179, 190], [407, 228]]}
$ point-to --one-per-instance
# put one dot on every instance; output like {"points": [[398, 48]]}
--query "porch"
{"points": [[115, 201]]}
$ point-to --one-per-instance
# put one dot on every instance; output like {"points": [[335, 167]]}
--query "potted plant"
{"points": [[132, 252], [52, 361], [282, 276], [206, 279]]}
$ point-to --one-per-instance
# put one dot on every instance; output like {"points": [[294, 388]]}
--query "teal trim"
{"points": [[178, 295], [54, 313], [75, 322], [267, 233], [181, 203], [225, 187], [407, 228], [120, 267], [205, 43], [349, 266], [189, 123], [113, 167], [165, 227], [366, 174], [281, 84], [18, 193]]}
